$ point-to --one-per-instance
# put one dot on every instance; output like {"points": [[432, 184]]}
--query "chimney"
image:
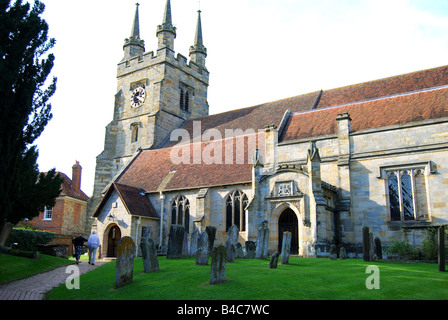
{"points": [[76, 178]]}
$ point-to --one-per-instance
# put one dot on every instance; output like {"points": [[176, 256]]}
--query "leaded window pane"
{"points": [[394, 198], [408, 200]]}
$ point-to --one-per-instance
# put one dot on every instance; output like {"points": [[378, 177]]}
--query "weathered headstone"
{"points": [[231, 252], [239, 251], [250, 250], [124, 271], [366, 244], [218, 268], [211, 237], [372, 247], [233, 234], [202, 253], [286, 247], [175, 241], [185, 251], [342, 253], [441, 248], [194, 243], [378, 248], [149, 255], [333, 252], [274, 260], [262, 250]]}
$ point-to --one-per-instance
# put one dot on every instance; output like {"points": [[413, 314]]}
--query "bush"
{"points": [[27, 239], [404, 249]]}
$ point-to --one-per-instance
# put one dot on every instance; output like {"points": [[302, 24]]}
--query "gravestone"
{"points": [[233, 234], [441, 248], [372, 247], [124, 271], [218, 268], [149, 255], [175, 241], [211, 237], [231, 252], [274, 261], [378, 248], [333, 252], [185, 251], [366, 244], [262, 249], [250, 250], [194, 243], [239, 251], [286, 247], [342, 253], [202, 253]]}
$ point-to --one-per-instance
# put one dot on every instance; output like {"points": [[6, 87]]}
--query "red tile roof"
{"points": [[67, 189]]}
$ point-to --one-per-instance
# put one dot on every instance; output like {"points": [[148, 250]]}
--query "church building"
{"points": [[321, 165]]}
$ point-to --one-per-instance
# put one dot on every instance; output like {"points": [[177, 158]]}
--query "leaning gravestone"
{"points": [[378, 249], [342, 253], [211, 237], [124, 271], [175, 241], [250, 250], [149, 255], [262, 241], [366, 244], [286, 247], [274, 261], [202, 253], [218, 269]]}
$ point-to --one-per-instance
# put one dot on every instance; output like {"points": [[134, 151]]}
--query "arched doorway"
{"points": [[113, 237], [288, 222]]}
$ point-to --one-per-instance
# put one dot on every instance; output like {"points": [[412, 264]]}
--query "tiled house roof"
{"points": [[392, 101], [67, 189]]}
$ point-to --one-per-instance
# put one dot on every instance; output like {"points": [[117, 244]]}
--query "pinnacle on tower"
{"points": [[166, 32], [134, 46], [198, 52]]}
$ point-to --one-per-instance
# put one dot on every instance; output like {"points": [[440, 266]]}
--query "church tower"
{"points": [[156, 92]]}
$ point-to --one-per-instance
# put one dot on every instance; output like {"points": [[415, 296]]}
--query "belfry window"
{"points": [[407, 194], [185, 98], [236, 203], [134, 132], [180, 212]]}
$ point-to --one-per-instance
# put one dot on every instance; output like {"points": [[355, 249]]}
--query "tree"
{"points": [[25, 110]]}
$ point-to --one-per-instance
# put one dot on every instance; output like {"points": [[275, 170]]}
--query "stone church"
{"points": [[322, 165]]}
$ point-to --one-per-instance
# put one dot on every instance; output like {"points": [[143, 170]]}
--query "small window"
{"points": [[185, 97], [134, 132], [48, 213]]}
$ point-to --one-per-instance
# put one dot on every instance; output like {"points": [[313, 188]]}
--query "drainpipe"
{"points": [[162, 200]]}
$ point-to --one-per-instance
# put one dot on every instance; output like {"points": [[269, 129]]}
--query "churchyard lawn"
{"points": [[251, 279]]}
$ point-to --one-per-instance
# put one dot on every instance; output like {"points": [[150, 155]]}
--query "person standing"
{"points": [[78, 242], [93, 243]]}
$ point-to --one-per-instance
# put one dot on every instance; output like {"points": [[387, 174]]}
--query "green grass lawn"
{"points": [[182, 279], [14, 268]]}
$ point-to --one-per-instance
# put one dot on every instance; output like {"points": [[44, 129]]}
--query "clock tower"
{"points": [[156, 92]]}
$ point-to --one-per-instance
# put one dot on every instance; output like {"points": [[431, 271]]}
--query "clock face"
{"points": [[138, 97]]}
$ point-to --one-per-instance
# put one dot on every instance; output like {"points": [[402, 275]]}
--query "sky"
{"points": [[258, 51]]}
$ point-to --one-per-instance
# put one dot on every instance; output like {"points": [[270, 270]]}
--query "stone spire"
{"points": [[134, 46], [166, 32], [198, 52]]}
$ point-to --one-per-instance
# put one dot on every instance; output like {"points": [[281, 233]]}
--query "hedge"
{"points": [[27, 239]]}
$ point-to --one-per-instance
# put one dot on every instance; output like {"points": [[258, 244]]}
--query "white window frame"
{"points": [[48, 214]]}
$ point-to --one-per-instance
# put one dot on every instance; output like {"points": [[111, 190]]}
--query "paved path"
{"points": [[35, 287]]}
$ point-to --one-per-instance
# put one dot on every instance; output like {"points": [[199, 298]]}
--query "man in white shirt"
{"points": [[93, 242]]}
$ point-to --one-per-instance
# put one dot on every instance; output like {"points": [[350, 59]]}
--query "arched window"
{"points": [[236, 203], [180, 212], [134, 132], [184, 98]]}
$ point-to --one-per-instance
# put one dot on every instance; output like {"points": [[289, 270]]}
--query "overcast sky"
{"points": [[258, 51]]}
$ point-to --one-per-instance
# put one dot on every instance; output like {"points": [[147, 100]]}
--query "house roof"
{"points": [[68, 191], [133, 199]]}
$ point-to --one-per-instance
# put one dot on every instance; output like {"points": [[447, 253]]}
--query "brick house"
{"points": [[68, 216]]}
